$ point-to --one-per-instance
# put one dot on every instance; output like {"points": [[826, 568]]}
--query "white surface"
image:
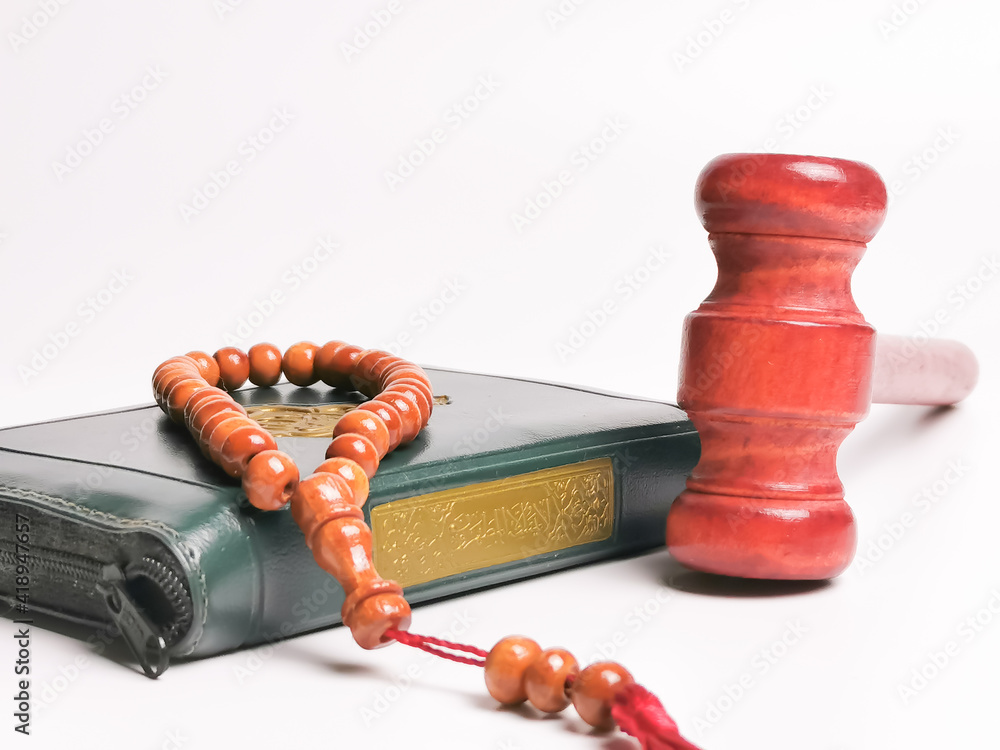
{"points": [[885, 99]]}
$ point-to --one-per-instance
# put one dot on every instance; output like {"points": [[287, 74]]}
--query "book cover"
{"points": [[130, 524]]}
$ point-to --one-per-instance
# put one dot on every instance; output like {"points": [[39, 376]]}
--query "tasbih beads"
{"points": [[518, 670], [604, 694], [327, 505]]}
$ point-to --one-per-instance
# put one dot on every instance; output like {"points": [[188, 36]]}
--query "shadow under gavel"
{"points": [[778, 365]]}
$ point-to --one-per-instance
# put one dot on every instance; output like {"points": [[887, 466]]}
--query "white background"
{"points": [[911, 91]]}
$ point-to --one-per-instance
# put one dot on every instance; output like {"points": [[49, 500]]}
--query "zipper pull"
{"points": [[146, 644]]}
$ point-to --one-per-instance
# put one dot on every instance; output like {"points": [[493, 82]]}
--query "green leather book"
{"points": [[128, 524]]}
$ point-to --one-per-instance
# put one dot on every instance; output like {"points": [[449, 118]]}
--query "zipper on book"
{"points": [[148, 646], [146, 600]]}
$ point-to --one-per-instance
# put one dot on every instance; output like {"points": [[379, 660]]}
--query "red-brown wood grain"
{"points": [[777, 366]]}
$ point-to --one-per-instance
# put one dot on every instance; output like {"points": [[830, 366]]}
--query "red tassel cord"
{"points": [[637, 711], [438, 647], [640, 714]]}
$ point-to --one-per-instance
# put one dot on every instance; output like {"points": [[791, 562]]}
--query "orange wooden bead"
{"points": [[402, 365], [389, 416], [343, 548], [297, 364], [209, 414], [374, 616], [205, 395], [352, 473], [402, 370], [423, 404], [179, 359], [319, 498], [207, 366], [358, 448], [505, 667], [169, 371], [409, 414], [234, 367], [179, 396], [363, 378], [221, 433], [265, 364], [209, 408], [379, 367], [171, 365], [545, 679], [407, 371], [323, 365], [229, 419], [372, 609], [241, 445], [172, 379], [270, 479], [365, 423], [594, 691], [419, 385], [161, 391], [337, 363]]}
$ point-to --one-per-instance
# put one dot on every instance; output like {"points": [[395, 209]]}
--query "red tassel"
{"points": [[639, 713]]}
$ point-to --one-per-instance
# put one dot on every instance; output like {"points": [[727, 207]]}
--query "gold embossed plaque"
{"points": [[284, 420], [287, 420], [423, 538]]}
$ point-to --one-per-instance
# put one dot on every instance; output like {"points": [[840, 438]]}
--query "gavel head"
{"points": [[776, 366]]}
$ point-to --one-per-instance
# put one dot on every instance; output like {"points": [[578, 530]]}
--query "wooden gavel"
{"points": [[778, 365]]}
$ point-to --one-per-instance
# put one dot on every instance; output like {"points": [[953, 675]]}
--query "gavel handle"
{"points": [[933, 372]]}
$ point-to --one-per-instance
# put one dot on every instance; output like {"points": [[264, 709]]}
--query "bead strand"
{"points": [[517, 669], [604, 694], [192, 390]]}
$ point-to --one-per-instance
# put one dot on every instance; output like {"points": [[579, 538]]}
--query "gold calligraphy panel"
{"points": [[287, 420], [423, 538]]}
